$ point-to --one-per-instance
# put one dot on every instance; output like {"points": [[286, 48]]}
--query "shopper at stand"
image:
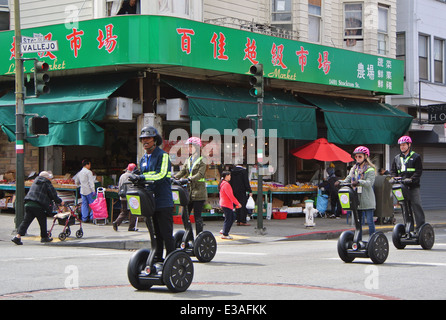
{"points": [[38, 203], [85, 180], [408, 165], [362, 177], [125, 212], [227, 201], [155, 166], [240, 186], [195, 170]]}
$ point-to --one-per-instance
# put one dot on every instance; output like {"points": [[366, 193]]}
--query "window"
{"points": [[281, 10], [314, 20], [438, 60], [383, 36], [353, 21], [174, 7], [423, 57], [401, 48]]}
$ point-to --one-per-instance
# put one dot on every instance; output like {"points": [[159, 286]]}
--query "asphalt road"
{"points": [[280, 270]]}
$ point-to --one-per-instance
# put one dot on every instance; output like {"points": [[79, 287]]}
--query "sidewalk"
{"points": [[290, 229]]}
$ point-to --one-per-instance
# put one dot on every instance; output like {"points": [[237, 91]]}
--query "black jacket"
{"points": [[42, 192], [240, 182], [409, 166]]}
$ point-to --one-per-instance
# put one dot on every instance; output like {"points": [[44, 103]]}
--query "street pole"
{"points": [[20, 120], [260, 154]]}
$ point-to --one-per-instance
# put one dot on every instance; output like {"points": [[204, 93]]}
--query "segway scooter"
{"points": [[350, 244], [204, 246], [143, 271], [405, 234]]}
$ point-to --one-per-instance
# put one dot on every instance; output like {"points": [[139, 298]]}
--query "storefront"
{"points": [[311, 90]]}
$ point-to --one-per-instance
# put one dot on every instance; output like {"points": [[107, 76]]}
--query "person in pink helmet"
{"points": [[408, 165], [362, 177], [194, 169]]}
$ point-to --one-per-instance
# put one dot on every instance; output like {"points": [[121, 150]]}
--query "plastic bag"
{"points": [[322, 202], [99, 205], [250, 204]]}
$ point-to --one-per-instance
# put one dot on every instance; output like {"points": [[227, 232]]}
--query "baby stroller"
{"points": [[67, 217]]}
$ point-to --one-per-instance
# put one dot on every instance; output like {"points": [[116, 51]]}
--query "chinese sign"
{"points": [[175, 41]]}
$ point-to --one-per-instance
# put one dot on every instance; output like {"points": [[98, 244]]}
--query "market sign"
{"points": [[159, 40], [437, 113]]}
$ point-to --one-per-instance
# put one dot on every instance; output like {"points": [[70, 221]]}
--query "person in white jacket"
{"points": [[85, 180]]}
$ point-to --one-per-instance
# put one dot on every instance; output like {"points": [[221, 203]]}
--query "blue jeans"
{"points": [[86, 211], [229, 220], [368, 214]]}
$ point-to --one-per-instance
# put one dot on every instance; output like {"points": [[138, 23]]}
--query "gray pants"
{"points": [[415, 202]]}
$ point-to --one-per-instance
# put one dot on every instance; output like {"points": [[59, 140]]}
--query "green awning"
{"points": [[72, 107], [219, 107], [361, 122]]}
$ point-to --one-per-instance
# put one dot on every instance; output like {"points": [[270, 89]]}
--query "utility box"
{"points": [[119, 108], [177, 109]]}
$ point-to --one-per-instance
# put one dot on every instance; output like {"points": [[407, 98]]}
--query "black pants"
{"points": [[242, 212], [30, 214], [163, 224], [197, 206]]}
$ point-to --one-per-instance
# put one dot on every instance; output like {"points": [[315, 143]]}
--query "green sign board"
{"points": [[159, 40]]}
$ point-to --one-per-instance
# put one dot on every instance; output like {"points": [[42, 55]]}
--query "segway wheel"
{"points": [[205, 246], [426, 236], [398, 232], [178, 271], [178, 238], [137, 263], [344, 243], [378, 248]]}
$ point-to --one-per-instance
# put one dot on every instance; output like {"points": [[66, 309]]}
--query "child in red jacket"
{"points": [[227, 201]]}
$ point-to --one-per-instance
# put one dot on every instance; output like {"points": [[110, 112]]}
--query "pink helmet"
{"points": [[362, 149], [194, 140], [404, 139]]}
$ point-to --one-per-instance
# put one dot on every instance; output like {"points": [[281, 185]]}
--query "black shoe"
{"points": [[134, 229], [47, 239], [17, 241], [115, 226]]}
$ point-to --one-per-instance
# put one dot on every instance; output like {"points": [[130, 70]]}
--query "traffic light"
{"points": [[41, 78], [256, 80], [38, 125], [246, 123]]}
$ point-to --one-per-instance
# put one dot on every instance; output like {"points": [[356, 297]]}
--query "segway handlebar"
{"points": [[396, 180], [180, 182]]}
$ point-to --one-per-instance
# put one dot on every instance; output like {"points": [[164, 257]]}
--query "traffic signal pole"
{"points": [[260, 152], [20, 120]]}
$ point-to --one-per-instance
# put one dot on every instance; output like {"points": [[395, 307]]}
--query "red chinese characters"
{"points": [[251, 51], [219, 43], [186, 39], [109, 41], [324, 64], [277, 56], [302, 54], [75, 40]]}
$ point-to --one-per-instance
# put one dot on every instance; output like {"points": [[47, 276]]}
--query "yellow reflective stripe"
{"points": [[153, 176], [370, 169]]}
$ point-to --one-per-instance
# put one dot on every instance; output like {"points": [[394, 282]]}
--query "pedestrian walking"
{"points": [[38, 204], [227, 201], [125, 212], [85, 180], [242, 191]]}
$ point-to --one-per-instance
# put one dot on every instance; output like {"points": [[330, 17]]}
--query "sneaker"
{"points": [[221, 231], [17, 241], [134, 229], [226, 237], [47, 239]]}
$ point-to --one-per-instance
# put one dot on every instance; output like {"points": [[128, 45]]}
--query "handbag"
{"points": [[250, 204]]}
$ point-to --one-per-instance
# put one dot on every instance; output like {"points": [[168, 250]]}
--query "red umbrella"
{"points": [[322, 150]]}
